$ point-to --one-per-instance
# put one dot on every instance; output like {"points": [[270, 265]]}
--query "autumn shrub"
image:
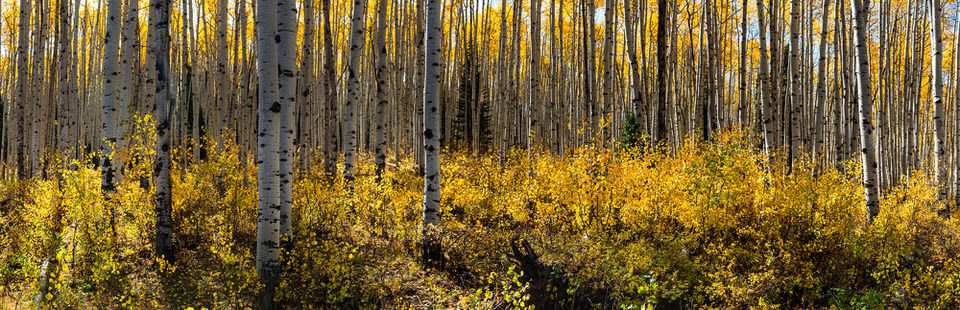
{"points": [[703, 225]]}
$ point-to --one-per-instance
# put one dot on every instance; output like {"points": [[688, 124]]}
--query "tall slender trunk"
{"points": [[332, 130], [609, 60], [662, 25], [111, 76], [160, 22], [431, 253], [268, 140], [796, 103], [868, 154], [287, 62], [357, 40], [821, 86], [23, 45], [66, 116], [383, 61], [939, 135], [131, 53], [305, 104], [533, 104]]}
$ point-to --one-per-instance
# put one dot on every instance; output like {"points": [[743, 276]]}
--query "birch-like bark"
{"points": [[796, 103], [160, 22], [23, 45], [307, 119], [287, 60], [766, 100], [380, 133], [533, 104], [609, 48], [224, 90], [131, 53], [431, 254], [867, 152], [936, 85], [357, 40], [110, 76], [66, 102], [332, 130], [819, 122], [631, 38], [268, 180]]}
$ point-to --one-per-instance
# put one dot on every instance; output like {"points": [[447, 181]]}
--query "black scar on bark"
{"points": [[275, 108], [428, 134]]}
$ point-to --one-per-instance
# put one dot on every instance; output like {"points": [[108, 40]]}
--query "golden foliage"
{"points": [[709, 225]]}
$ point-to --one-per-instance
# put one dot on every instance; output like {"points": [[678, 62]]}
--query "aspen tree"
{"points": [[305, 103], [796, 103], [130, 57], [23, 41], [332, 131], [431, 254], [160, 22], [268, 140], [66, 115], [609, 59], [357, 39], [223, 77], [533, 104], [380, 132], [865, 104], [287, 61], [110, 76], [821, 85], [939, 152], [631, 37], [663, 13]]}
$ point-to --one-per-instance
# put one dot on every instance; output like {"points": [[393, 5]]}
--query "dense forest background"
{"points": [[479, 154]]}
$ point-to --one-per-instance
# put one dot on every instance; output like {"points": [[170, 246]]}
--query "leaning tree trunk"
{"points": [[380, 133], [939, 158], [431, 254], [110, 75], [268, 180], [287, 61], [160, 21], [868, 153]]}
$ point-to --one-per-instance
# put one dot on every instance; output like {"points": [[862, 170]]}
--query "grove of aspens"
{"points": [[479, 154]]}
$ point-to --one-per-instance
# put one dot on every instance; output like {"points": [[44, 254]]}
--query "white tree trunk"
{"points": [[936, 85], [380, 145], [268, 181], [23, 45], [287, 58], [431, 252], [160, 22], [332, 130], [868, 153], [357, 40], [110, 78]]}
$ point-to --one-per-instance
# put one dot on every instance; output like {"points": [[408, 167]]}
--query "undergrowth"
{"points": [[705, 226]]}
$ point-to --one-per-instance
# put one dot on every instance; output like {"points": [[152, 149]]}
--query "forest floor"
{"points": [[705, 226]]}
